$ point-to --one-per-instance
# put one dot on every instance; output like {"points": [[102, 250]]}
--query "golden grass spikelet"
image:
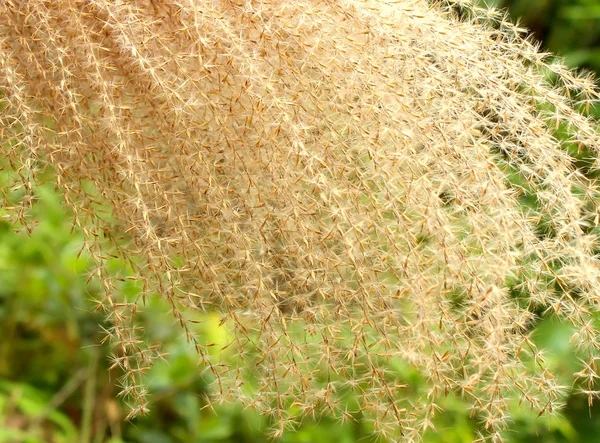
{"points": [[350, 184]]}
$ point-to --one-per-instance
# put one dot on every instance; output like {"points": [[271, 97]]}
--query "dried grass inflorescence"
{"points": [[348, 183]]}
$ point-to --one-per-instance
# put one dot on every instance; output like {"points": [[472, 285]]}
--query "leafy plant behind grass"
{"points": [[350, 185]]}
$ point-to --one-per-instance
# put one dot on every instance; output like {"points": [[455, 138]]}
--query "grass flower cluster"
{"points": [[352, 185]]}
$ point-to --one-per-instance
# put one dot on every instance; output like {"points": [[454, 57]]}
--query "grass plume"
{"points": [[348, 183]]}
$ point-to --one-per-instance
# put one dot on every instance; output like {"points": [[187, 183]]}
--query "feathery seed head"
{"points": [[353, 186]]}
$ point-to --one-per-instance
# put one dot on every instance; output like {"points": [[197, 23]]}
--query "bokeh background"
{"points": [[55, 383]]}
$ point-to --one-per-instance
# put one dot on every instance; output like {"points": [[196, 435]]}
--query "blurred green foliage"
{"points": [[569, 28]]}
